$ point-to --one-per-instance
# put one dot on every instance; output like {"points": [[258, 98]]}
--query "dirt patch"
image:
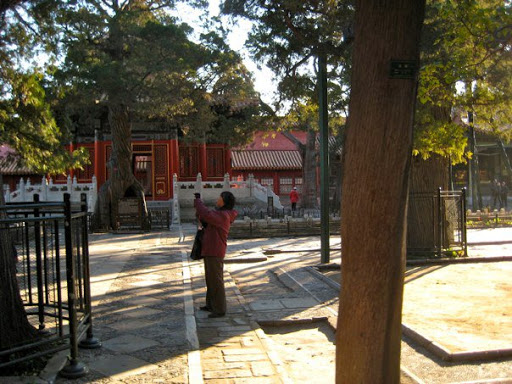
{"points": [[463, 307], [306, 350]]}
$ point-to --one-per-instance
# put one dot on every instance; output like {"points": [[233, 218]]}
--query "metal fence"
{"points": [[442, 220], [50, 243]]}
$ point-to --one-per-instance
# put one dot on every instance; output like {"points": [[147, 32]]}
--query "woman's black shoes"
{"points": [[214, 315]]}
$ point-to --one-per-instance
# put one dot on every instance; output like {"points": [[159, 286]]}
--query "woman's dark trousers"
{"points": [[215, 292]]}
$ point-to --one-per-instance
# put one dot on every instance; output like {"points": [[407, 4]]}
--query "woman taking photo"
{"points": [[216, 223]]}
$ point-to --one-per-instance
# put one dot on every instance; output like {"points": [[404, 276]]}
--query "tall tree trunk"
{"points": [[14, 325], [375, 191], [426, 177], [307, 152], [121, 174], [309, 167]]}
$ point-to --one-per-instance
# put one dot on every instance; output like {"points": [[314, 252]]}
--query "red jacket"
{"points": [[294, 196], [215, 237]]}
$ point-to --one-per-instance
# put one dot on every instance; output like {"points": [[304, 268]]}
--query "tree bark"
{"points": [[309, 165], [427, 176], [375, 191], [121, 174], [14, 325], [309, 187]]}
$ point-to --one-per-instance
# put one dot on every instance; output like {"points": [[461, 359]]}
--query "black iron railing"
{"points": [[443, 223], [50, 243]]}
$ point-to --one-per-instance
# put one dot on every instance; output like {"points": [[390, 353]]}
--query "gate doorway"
{"points": [[143, 171]]}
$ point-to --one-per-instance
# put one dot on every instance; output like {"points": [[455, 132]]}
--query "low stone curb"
{"points": [[447, 355], [286, 322], [245, 259], [465, 260]]}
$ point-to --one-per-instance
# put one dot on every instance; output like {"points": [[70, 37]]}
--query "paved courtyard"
{"points": [[282, 312]]}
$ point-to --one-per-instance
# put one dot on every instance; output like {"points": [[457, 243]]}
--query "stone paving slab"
{"points": [[121, 366], [128, 343], [146, 295]]}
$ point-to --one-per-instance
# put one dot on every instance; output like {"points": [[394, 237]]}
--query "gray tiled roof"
{"points": [[247, 160]]}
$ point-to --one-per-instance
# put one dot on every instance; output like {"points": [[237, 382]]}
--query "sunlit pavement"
{"points": [[280, 320]]}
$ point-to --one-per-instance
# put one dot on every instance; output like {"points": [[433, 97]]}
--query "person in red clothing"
{"points": [[294, 197], [216, 223]]}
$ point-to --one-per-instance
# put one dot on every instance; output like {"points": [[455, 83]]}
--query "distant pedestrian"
{"points": [[495, 194], [503, 194], [294, 198], [213, 249]]}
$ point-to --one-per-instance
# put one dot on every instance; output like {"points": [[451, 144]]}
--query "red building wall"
{"points": [[155, 162]]}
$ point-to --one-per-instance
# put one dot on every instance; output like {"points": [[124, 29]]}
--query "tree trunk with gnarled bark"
{"points": [[427, 176], [121, 177], [14, 325], [375, 191]]}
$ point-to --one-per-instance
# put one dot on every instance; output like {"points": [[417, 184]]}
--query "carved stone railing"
{"points": [[48, 191], [245, 191]]}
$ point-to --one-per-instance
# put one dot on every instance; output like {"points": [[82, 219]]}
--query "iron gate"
{"points": [[443, 220], [50, 243]]}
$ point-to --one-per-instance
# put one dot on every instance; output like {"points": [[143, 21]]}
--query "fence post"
{"points": [[464, 218], [251, 185], [69, 186], [175, 201], [74, 368], [439, 224], [23, 193], [39, 266], [227, 183], [199, 183], [44, 188], [90, 342]]}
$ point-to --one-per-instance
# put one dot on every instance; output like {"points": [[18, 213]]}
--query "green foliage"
{"points": [[26, 121], [463, 43], [28, 126], [441, 137], [289, 35], [466, 66], [302, 117], [143, 58]]}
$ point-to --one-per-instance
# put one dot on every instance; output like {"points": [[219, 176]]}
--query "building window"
{"points": [[298, 184], [285, 185], [189, 161], [85, 175], [143, 172], [215, 162], [267, 181]]}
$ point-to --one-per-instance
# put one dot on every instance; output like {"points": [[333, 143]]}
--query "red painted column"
{"points": [[97, 159], [227, 162], [174, 158], [202, 158]]}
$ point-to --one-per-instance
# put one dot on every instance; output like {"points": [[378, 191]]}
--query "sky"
{"points": [[262, 76]]}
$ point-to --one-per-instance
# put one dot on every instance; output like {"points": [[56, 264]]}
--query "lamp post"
{"points": [[324, 158]]}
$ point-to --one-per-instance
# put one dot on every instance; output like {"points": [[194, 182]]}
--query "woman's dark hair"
{"points": [[229, 200]]}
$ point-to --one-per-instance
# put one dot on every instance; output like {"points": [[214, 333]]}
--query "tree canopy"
{"points": [[26, 120], [466, 66], [62, 60], [465, 61], [288, 36], [142, 57]]}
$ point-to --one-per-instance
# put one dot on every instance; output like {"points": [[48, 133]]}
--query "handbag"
{"points": [[195, 253]]}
